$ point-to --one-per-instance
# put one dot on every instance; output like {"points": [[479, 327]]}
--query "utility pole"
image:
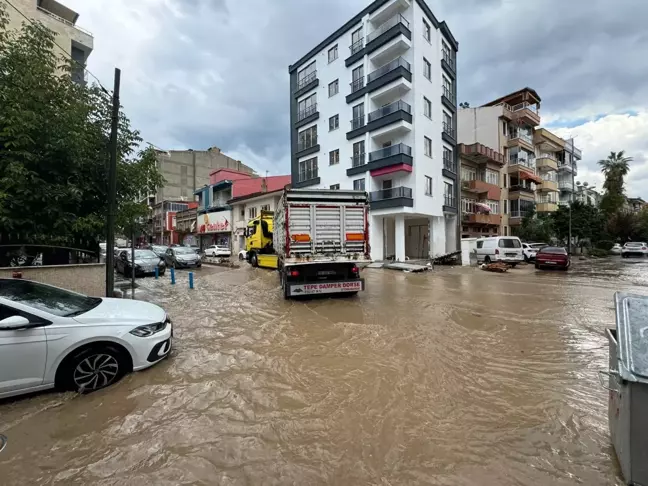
{"points": [[571, 198], [112, 190]]}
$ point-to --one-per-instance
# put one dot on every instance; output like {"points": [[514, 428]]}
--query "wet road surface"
{"points": [[454, 377]]}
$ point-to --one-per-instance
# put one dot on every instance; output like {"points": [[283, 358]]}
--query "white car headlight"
{"points": [[149, 329]]}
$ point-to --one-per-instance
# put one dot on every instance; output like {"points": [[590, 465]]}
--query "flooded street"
{"points": [[454, 377]]}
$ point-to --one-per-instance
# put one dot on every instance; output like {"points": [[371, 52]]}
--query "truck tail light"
{"points": [[644, 248], [355, 269], [294, 273]]}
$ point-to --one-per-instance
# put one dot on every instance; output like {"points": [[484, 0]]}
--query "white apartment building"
{"points": [[373, 107]]}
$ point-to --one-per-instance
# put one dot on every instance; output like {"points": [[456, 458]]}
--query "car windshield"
{"points": [[554, 250], [184, 251], [509, 243], [144, 254], [53, 300], [159, 249]]}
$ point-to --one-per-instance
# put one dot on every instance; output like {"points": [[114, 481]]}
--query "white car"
{"points": [[242, 255], [217, 251], [530, 249], [634, 249], [51, 337], [616, 249]]}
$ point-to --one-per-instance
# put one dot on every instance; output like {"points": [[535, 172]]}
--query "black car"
{"points": [[182, 257], [146, 261]]}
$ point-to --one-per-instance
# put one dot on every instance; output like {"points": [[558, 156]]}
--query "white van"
{"points": [[506, 249]]}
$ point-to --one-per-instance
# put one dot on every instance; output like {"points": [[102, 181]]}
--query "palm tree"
{"points": [[615, 168]]}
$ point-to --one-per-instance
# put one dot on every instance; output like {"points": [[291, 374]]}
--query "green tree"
{"points": [[587, 222], [615, 168], [536, 227], [54, 156]]}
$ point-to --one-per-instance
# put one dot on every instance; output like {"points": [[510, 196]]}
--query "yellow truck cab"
{"points": [[258, 241]]}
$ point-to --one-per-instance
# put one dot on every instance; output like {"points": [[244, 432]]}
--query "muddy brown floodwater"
{"points": [[456, 377]]}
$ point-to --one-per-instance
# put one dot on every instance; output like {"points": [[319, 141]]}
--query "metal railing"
{"points": [[523, 105], [399, 19], [358, 122], [389, 109], [358, 160], [67, 22], [307, 175], [450, 164], [389, 67], [306, 80], [307, 112], [450, 201], [513, 160], [393, 193], [447, 129], [307, 144], [519, 214], [528, 139], [357, 46], [549, 177], [565, 185], [545, 155], [399, 148], [449, 94], [357, 84], [447, 57], [521, 188]]}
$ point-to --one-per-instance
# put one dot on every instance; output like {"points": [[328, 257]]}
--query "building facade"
{"points": [[567, 171], [373, 107], [73, 39]]}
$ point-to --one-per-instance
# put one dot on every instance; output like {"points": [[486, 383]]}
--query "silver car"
{"points": [[182, 257]]}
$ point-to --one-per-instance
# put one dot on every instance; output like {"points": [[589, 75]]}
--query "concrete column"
{"points": [[437, 236], [399, 236], [376, 237]]}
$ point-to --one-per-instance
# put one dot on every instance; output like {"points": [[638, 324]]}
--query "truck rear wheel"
{"points": [[284, 286], [254, 260]]}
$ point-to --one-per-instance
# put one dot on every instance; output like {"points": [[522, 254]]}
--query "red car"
{"points": [[552, 256]]}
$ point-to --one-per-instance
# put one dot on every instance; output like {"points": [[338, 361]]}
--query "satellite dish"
{"points": [[578, 183], [586, 184]]}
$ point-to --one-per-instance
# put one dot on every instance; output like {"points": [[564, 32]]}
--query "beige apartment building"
{"points": [[509, 166], [76, 43]]}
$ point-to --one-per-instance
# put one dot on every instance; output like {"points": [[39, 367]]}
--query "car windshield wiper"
{"points": [[94, 304]]}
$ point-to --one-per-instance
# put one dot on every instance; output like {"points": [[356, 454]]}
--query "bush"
{"points": [[604, 245], [599, 252]]}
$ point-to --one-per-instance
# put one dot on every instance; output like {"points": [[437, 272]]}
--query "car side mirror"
{"points": [[14, 322]]}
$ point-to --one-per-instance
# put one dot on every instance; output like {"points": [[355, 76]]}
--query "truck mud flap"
{"points": [[315, 288]]}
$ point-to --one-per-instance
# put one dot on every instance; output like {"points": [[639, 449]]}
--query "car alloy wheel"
{"points": [[96, 371]]}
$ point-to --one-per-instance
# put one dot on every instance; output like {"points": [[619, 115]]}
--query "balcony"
{"points": [[518, 164], [356, 47], [518, 190], [396, 157], [521, 140], [525, 113], [395, 119], [481, 154], [304, 85], [546, 162], [448, 134], [307, 116], [449, 168], [516, 217], [309, 177], [307, 147], [567, 167], [390, 9], [60, 13], [396, 69], [482, 219], [389, 40], [357, 84], [547, 141], [566, 186], [448, 64], [547, 207], [448, 99], [449, 204], [548, 185], [489, 191], [396, 197]]}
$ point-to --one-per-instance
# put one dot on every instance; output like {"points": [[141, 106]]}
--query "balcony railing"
{"points": [[565, 185], [67, 22], [358, 160], [521, 188], [397, 149], [307, 175], [393, 193], [520, 214], [399, 19], [547, 156], [523, 162], [522, 136], [305, 113], [306, 80], [356, 46], [544, 200], [389, 67], [447, 129], [523, 105], [449, 94], [358, 122], [450, 164], [357, 84], [449, 201], [447, 57], [307, 144], [388, 109], [549, 177]]}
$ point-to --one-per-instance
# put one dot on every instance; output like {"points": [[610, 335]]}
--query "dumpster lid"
{"points": [[632, 335]]}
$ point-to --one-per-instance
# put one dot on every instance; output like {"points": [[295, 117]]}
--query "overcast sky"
{"points": [[198, 73]]}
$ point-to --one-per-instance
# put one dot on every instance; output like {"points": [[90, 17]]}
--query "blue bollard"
{"points": [[157, 273], [191, 280], [172, 276]]}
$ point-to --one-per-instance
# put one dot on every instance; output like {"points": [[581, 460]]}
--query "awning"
{"points": [[530, 177]]}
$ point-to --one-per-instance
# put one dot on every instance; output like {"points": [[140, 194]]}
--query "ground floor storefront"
{"points": [[220, 239]]}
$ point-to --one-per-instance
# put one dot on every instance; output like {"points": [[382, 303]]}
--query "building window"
{"points": [[467, 205], [428, 186], [307, 107], [334, 123], [494, 206], [334, 88], [505, 181], [357, 41], [358, 117], [242, 213], [427, 69], [358, 158], [448, 194], [468, 173], [306, 75], [308, 169], [333, 53], [252, 213], [265, 207], [427, 33], [359, 185], [307, 138], [335, 187], [492, 177], [334, 157], [428, 146], [357, 79], [427, 107], [447, 54]]}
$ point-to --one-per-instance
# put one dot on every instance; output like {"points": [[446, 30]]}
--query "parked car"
{"points": [[552, 256], [159, 250], [182, 257], [51, 337], [217, 251], [146, 261], [242, 255], [616, 249], [634, 248], [506, 249], [530, 249], [194, 248]]}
